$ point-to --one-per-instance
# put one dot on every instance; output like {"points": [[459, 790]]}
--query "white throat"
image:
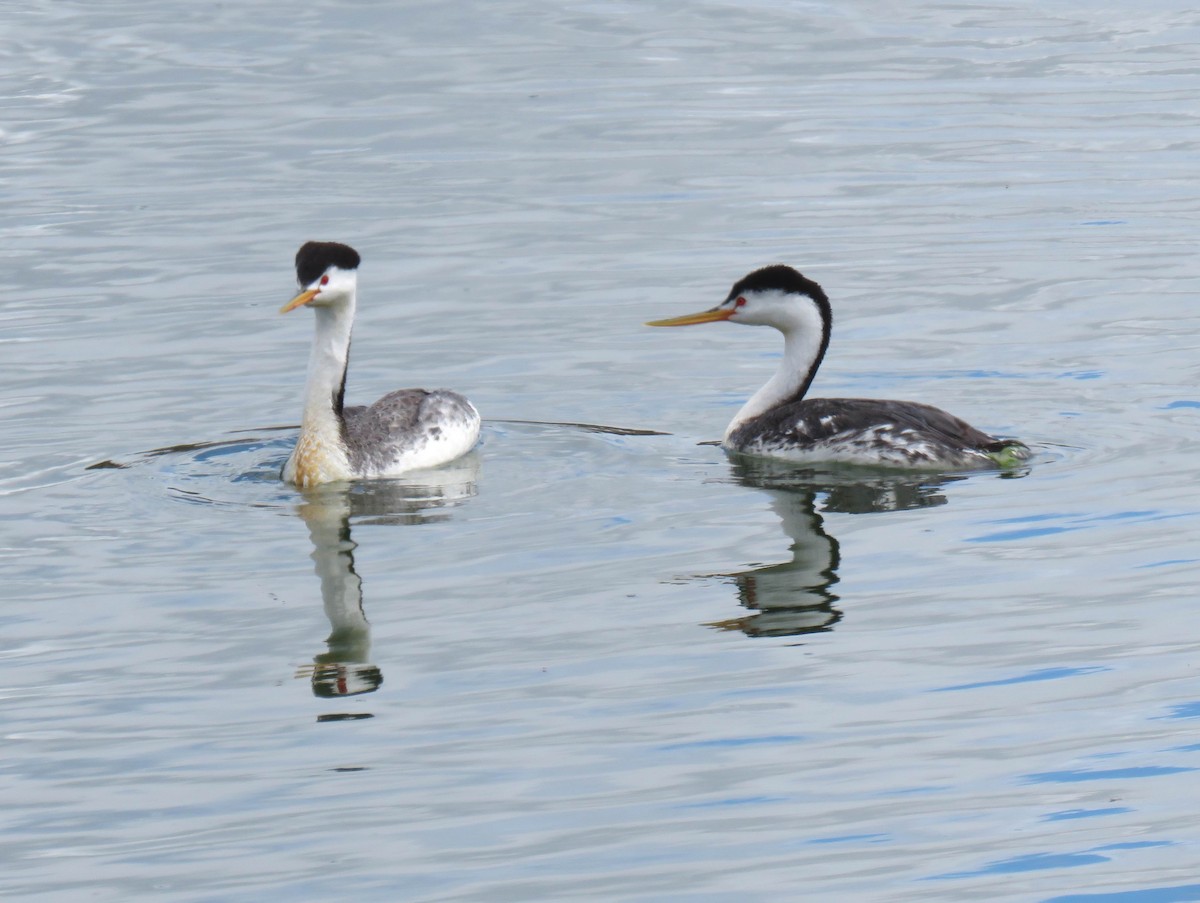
{"points": [[327, 363], [803, 333]]}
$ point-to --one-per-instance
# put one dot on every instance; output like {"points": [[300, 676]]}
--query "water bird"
{"points": [[405, 430], [780, 422]]}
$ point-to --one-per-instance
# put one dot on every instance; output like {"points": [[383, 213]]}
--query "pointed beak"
{"points": [[705, 316], [300, 300]]}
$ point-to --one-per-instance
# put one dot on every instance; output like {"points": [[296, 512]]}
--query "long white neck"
{"points": [[804, 339], [327, 369], [320, 455]]}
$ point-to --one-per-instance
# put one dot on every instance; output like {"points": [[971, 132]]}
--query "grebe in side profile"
{"points": [[779, 422], [409, 429]]}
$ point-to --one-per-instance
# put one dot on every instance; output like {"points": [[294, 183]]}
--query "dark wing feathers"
{"points": [[816, 420]]}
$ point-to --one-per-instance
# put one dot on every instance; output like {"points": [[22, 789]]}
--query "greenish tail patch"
{"points": [[1009, 454]]}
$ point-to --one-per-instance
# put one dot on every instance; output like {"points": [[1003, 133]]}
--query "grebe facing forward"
{"points": [[779, 422], [409, 429]]}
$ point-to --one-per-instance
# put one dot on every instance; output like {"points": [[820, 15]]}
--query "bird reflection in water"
{"points": [[795, 597], [345, 668]]}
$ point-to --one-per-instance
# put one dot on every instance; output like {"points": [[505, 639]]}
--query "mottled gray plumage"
{"points": [[904, 433], [405, 424]]}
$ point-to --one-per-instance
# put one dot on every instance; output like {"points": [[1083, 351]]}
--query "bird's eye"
{"points": [[324, 280], [740, 302]]}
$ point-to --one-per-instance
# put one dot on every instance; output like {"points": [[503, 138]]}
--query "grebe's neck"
{"points": [[805, 338], [320, 455], [325, 386]]}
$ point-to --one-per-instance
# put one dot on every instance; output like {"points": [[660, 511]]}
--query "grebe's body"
{"points": [[872, 432], [406, 430], [780, 422]]}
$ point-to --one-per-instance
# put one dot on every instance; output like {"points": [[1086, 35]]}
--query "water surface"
{"points": [[609, 665]]}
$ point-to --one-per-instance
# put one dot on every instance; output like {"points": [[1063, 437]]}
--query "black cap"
{"points": [[779, 277], [315, 257]]}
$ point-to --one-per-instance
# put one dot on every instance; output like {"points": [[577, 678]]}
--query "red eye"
{"points": [[740, 302], [324, 280]]}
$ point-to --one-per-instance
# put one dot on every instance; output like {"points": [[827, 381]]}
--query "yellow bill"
{"points": [[300, 300], [706, 316]]}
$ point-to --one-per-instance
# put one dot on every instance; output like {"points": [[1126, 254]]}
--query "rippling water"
{"points": [[587, 663]]}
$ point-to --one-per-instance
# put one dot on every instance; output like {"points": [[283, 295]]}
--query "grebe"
{"points": [[409, 429], [779, 422]]}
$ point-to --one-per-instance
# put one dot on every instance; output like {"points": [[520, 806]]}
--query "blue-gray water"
{"points": [[598, 666]]}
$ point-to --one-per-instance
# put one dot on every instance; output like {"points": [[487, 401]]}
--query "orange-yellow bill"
{"points": [[300, 300], [706, 316]]}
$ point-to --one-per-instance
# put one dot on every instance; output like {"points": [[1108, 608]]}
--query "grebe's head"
{"points": [[773, 296], [327, 272]]}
